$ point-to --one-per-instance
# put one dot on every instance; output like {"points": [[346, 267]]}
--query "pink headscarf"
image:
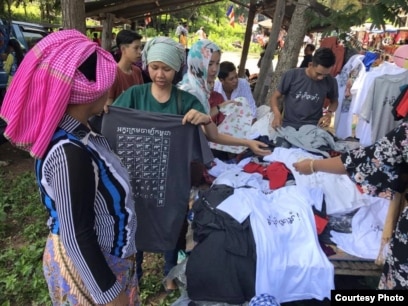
{"points": [[46, 82]]}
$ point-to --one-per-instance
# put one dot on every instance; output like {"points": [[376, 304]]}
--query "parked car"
{"points": [[28, 34]]}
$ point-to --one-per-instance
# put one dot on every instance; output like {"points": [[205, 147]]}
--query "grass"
{"points": [[23, 232]]}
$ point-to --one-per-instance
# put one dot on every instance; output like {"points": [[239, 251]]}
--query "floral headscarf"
{"points": [[195, 80]]}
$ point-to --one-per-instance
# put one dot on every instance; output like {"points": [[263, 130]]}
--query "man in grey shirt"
{"points": [[304, 91]]}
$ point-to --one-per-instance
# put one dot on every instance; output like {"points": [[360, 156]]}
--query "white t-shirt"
{"points": [[378, 105], [342, 119], [341, 194], [290, 263], [367, 227], [361, 88]]}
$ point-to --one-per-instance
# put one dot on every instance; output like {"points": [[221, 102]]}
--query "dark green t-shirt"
{"points": [[140, 97]]}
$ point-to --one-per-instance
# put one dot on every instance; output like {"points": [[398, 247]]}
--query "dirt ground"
{"points": [[15, 161]]}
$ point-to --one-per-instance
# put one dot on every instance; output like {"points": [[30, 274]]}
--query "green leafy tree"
{"points": [[346, 13]]}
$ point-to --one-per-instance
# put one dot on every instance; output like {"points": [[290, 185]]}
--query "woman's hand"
{"points": [[106, 108], [304, 166], [121, 300], [195, 117], [259, 148], [108, 103]]}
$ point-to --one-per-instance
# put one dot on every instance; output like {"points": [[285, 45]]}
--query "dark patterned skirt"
{"points": [[64, 282]]}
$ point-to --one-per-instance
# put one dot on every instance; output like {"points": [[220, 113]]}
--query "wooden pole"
{"points": [[107, 25], [260, 92], [247, 39]]}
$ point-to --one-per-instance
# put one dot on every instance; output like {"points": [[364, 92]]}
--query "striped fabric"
{"points": [[87, 194], [47, 81]]}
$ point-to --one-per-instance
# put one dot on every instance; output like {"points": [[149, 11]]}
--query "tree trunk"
{"points": [[107, 25], [266, 69], [73, 15], [290, 53], [247, 39]]}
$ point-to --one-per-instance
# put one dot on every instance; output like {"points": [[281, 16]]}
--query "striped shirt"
{"points": [[87, 194]]}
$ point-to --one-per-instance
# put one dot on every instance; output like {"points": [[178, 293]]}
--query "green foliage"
{"points": [[353, 13], [37, 11], [22, 232], [151, 287]]}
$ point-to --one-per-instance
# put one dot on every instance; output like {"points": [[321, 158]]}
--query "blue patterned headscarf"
{"points": [[195, 80]]}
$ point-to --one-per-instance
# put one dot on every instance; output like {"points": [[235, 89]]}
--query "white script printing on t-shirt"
{"points": [[389, 101], [157, 149], [145, 153], [305, 95], [289, 220]]}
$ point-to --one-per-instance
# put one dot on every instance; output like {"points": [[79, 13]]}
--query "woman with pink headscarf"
{"points": [[90, 252]]}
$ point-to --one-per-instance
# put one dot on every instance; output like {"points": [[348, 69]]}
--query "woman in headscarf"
{"points": [[89, 256], [203, 64], [163, 58]]}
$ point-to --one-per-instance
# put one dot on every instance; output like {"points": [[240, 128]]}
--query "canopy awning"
{"points": [[267, 23]]}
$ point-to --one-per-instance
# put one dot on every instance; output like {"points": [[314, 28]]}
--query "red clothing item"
{"points": [[402, 108], [277, 175], [252, 167], [123, 81], [216, 99], [338, 50], [275, 172]]}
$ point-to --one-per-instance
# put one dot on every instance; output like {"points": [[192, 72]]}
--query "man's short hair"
{"points": [[225, 69], [310, 47], [126, 37], [324, 57]]}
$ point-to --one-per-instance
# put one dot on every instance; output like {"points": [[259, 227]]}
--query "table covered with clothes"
{"points": [[255, 228]]}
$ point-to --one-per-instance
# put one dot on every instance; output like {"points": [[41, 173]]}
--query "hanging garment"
{"points": [[338, 50], [157, 150], [345, 80], [378, 106], [360, 90], [400, 110]]}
